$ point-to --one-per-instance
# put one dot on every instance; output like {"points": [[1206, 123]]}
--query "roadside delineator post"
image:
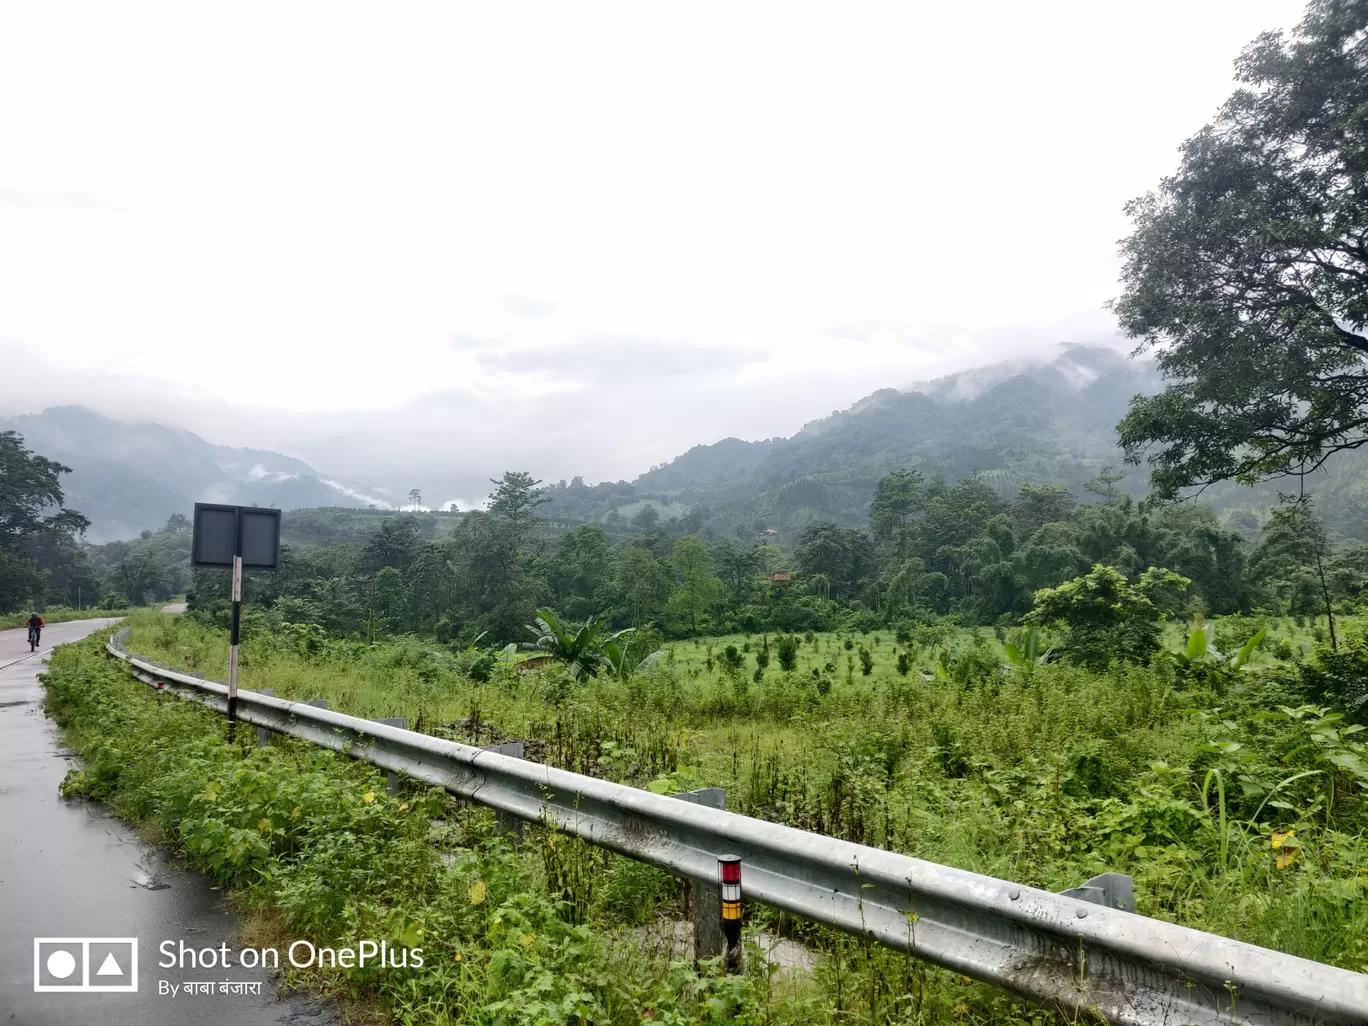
{"points": [[704, 897], [729, 871], [234, 632]]}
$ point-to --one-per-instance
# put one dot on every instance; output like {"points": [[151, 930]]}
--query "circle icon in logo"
{"points": [[61, 964]]}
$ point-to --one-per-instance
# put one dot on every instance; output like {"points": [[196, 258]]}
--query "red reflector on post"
{"points": [[731, 868]]}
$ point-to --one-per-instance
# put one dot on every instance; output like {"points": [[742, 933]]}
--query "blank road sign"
{"points": [[260, 537], [222, 531]]}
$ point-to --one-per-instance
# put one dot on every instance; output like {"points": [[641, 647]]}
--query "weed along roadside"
{"points": [[1070, 881], [317, 856]]}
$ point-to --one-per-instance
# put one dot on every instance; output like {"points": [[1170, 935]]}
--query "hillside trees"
{"points": [[582, 573], [943, 549], [1105, 616], [33, 542], [644, 584], [1246, 274], [514, 503], [698, 589], [843, 557], [896, 498], [738, 569]]}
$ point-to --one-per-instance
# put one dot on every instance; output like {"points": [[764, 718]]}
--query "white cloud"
{"points": [[402, 245]]}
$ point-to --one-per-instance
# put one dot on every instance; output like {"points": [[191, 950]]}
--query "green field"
{"points": [[1046, 776]]}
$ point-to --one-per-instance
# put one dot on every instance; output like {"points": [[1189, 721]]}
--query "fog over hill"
{"points": [[1009, 424], [127, 477]]}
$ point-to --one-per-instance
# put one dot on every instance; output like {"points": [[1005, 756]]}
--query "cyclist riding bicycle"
{"points": [[35, 627]]}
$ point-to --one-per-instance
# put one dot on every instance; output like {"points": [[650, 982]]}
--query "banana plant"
{"points": [[1029, 654], [474, 646], [620, 657], [585, 650], [1201, 648]]}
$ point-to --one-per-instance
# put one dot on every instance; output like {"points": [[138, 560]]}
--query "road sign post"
{"points": [[235, 538]]}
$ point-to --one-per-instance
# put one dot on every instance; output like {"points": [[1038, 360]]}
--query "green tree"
{"points": [[1106, 616], [581, 572], [896, 498], [646, 518], [1037, 506], [699, 590], [844, 557], [787, 649], [29, 487], [515, 500], [738, 569], [395, 544], [1290, 561], [644, 584], [495, 585], [140, 576], [1246, 273]]}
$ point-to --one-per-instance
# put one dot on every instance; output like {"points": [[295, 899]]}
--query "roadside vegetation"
{"points": [[543, 929], [1229, 779]]}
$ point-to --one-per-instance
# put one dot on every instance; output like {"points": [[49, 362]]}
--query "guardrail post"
{"points": [[264, 735], [1114, 890], [318, 703], [506, 821], [392, 778], [705, 898]]}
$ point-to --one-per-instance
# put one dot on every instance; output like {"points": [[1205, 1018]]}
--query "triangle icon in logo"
{"points": [[109, 967]]}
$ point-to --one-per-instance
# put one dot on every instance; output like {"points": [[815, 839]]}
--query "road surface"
{"points": [[69, 870]]}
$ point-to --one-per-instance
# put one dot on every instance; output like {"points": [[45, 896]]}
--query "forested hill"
{"points": [[130, 477], [1007, 424]]}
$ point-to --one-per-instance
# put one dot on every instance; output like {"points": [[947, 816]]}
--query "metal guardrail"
{"points": [[1059, 951]]}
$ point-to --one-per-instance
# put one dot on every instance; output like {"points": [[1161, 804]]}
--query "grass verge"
{"points": [[547, 930]]}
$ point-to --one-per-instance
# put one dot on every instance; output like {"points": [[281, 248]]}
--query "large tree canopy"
{"points": [[29, 491], [1247, 271]]}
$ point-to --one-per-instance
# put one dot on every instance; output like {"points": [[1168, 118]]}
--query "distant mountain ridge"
{"points": [[1010, 424], [1013, 423], [1050, 421], [127, 477]]}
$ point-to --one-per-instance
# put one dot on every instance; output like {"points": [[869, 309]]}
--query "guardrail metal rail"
{"points": [[1058, 951]]}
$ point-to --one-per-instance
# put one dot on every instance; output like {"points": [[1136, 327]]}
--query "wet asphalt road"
{"points": [[67, 869]]}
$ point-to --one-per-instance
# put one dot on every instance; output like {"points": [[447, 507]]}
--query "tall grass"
{"points": [[546, 929], [1046, 776]]}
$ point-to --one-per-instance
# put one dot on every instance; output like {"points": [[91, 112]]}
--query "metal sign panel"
{"points": [[260, 538], [220, 532]]}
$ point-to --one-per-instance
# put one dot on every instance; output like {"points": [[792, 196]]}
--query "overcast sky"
{"points": [[419, 244]]}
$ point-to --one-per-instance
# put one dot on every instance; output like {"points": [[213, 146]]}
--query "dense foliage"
{"points": [[38, 547], [1247, 272], [933, 549]]}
